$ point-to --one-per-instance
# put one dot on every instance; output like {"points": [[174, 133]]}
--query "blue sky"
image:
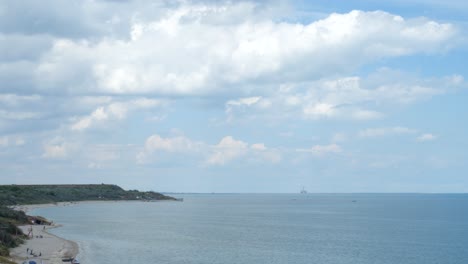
{"points": [[252, 96]]}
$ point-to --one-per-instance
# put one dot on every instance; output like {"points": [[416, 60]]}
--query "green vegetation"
{"points": [[37, 194], [11, 236], [6, 261]]}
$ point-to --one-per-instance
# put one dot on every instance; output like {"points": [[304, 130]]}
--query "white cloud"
{"points": [[320, 110], [248, 101], [405, 93], [104, 152], [93, 165], [6, 141], [426, 137], [157, 145], [14, 99], [366, 114], [18, 115], [320, 150], [85, 122], [57, 151], [218, 56], [19, 141], [237, 105], [174, 144], [263, 153], [386, 131], [355, 98], [113, 111], [245, 105], [339, 137], [258, 147], [456, 79], [230, 149], [226, 150]]}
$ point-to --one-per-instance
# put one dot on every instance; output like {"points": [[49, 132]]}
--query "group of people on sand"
{"points": [[30, 252], [31, 235]]}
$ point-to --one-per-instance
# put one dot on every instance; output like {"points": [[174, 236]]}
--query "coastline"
{"points": [[29, 207], [43, 246], [52, 249]]}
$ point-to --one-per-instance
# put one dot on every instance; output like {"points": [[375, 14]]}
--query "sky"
{"points": [[236, 96]]}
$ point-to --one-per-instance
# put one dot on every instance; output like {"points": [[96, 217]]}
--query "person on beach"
{"points": [[30, 232]]}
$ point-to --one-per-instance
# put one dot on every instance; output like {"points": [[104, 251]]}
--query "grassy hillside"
{"points": [[10, 235], [36, 194]]}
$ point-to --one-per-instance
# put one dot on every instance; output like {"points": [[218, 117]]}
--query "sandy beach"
{"points": [[45, 247], [50, 247], [29, 207]]}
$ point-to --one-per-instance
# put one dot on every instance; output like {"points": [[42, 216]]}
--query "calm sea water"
{"points": [[280, 228]]}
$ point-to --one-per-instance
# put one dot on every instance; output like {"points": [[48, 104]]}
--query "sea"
{"points": [[270, 229]]}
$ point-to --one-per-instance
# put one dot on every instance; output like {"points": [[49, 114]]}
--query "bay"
{"points": [[270, 228]]}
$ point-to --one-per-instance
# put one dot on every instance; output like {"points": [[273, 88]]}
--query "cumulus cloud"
{"points": [[318, 110], [156, 145], [174, 144], [94, 166], [14, 99], [339, 137], [6, 141], [386, 131], [263, 153], [361, 114], [18, 115], [320, 150], [238, 50], [228, 149], [355, 98], [69, 68], [220, 56], [113, 111], [426, 137], [55, 151], [243, 102]]}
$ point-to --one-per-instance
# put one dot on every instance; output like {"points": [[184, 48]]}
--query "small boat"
{"points": [[71, 260]]}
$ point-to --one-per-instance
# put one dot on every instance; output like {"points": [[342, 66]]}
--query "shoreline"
{"points": [[52, 248], [42, 246], [29, 207]]}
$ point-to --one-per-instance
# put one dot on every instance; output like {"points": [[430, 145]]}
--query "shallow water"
{"points": [[271, 228]]}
